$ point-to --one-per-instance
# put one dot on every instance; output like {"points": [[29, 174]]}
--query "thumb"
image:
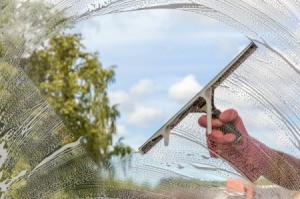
{"points": [[229, 115]]}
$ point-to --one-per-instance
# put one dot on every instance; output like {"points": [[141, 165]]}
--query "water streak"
{"points": [[40, 158]]}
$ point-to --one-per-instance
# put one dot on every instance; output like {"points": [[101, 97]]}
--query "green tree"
{"points": [[75, 84], [85, 108], [21, 30]]}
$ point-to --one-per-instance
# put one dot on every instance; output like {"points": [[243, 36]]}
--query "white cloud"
{"points": [[135, 106], [118, 97], [127, 100], [185, 89], [142, 88], [145, 116], [122, 130]]}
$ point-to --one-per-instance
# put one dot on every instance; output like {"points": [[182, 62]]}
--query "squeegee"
{"points": [[203, 102]]}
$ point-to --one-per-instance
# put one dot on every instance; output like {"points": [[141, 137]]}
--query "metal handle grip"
{"points": [[228, 127]]}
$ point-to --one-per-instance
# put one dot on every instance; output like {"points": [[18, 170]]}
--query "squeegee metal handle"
{"points": [[228, 127]]}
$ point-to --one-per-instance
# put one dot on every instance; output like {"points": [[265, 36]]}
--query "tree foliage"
{"points": [[75, 84]]}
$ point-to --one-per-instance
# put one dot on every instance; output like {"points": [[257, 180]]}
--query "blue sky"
{"points": [[164, 58]]}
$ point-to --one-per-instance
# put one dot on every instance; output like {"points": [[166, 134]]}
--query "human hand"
{"points": [[223, 143], [244, 155]]}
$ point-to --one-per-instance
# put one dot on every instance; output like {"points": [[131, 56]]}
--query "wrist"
{"points": [[260, 158]]}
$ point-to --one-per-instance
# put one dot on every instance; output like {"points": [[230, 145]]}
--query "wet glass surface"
{"points": [[40, 158]]}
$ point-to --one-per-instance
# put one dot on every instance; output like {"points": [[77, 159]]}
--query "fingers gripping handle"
{"points": [[212, 112], [228, 127]]}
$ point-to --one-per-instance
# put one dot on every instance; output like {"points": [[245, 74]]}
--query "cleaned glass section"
{"points": [[40, 158], [263, 163]]}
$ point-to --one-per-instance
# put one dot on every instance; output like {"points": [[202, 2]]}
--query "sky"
{"points": [[163, 58]]}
